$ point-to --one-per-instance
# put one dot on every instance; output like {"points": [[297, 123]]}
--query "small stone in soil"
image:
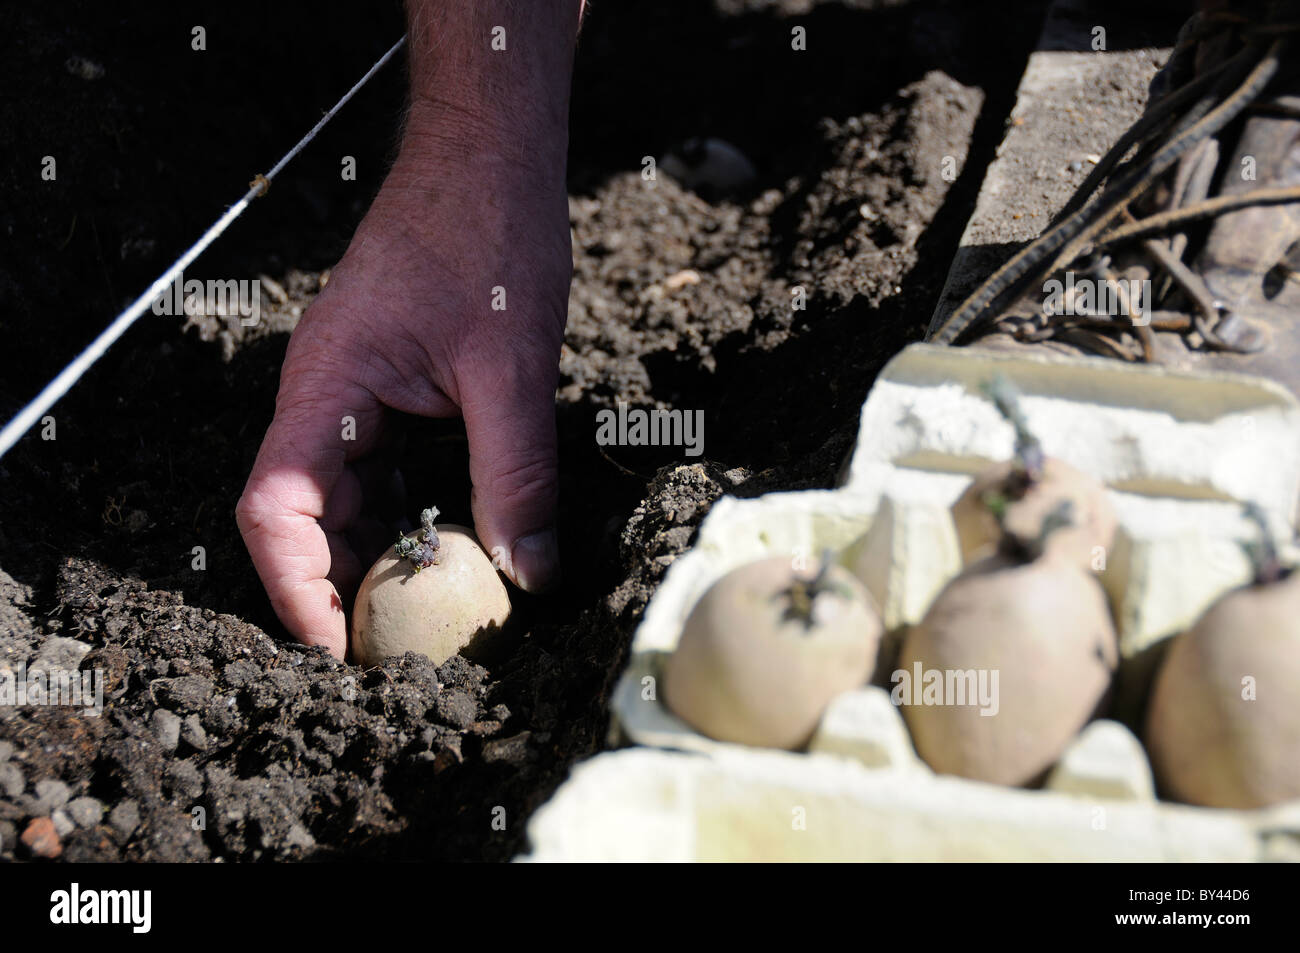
{"points": [[86, 811], [167, 726], [52, 794], [12, 781], [125, 818], [512, 750], [192, 733], [63, 824], [42, 839]]}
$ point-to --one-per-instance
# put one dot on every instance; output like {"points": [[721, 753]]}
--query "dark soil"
{"points": [[219, 739]]}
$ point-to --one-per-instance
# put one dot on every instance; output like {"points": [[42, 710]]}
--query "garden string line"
{"points": [[69, 376]]}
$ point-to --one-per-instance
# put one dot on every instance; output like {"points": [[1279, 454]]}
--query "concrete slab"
{"points": [[1073, 103]]}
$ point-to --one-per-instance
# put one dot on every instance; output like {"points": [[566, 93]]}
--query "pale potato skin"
{"points": [[978, 531], [459, 603], [743, 674], [1046, 628], [1208, 744]]}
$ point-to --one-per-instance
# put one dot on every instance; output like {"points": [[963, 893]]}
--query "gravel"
{"points": [[125, 818], [167, 726], [51, 795], [63, 824], [192, 733], [86, 811], [12, 781]]}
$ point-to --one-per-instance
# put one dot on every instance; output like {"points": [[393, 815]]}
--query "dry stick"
{"points": [[1187, 135], [55, 389], [1209, 208], [1073, 217]]}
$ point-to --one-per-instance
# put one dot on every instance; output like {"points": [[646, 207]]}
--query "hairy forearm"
{"points": [[491, 75]]}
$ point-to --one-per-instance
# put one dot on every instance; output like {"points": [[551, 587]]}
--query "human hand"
{"points": [[407, 323]]}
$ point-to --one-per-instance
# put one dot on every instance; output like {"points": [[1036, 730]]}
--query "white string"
{"points": [[56, 388]]}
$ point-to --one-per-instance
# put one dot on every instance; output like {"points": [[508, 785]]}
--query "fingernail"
{"points": [[536, 561]]}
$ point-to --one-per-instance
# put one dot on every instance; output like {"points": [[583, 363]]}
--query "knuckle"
{"points": [[251, 510], [527, 376], [247, 511], [527, 480]]}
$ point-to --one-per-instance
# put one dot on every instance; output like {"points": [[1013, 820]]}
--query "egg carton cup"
{"points": [[1179, 453]]}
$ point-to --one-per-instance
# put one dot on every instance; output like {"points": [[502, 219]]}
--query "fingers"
{"points": [[297, 503], [510, 422]]}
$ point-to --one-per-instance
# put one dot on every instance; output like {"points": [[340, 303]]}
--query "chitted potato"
{"points": [[1006, 502], [1017, 506], [1223, 725], [1044, 627], [766, 649], [440, 596]]}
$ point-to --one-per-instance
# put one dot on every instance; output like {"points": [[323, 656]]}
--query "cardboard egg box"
{"points": [[1179, 453]]}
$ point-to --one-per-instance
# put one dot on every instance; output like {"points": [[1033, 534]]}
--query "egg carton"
{"points": [[647, 804], [1179, 453]]}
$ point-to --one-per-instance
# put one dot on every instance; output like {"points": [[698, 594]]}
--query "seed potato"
{"points": [[458, 603], [764, 651], [1223, 725], [1045, 628], [1026, 504]]}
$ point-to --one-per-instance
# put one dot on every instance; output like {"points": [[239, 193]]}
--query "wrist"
{"points": [[449, 132], [491, 78]]}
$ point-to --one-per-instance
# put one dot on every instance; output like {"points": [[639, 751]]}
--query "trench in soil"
{"points": [[284, 752]]}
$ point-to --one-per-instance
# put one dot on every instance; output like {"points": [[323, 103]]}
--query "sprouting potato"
{"points": [[435, 593], [1007, 504], [1223, 724], [766, 649], [1025, 616], [1041, 632]]}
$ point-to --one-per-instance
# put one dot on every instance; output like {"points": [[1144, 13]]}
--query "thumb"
{"points": [[513, 467]]}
